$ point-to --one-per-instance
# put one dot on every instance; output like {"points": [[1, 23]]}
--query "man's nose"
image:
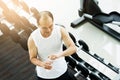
{"points": [[48, 30]]}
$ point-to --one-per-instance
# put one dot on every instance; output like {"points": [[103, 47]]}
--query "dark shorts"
{"points": [[65, 76]]}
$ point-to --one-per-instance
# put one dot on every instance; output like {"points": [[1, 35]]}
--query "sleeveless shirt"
{"points": [[45, 47]]}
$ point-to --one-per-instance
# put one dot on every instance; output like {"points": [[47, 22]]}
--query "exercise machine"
{"points": [[90, 11]]}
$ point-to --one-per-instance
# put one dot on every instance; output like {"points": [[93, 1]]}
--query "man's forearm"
{"points": [[36, 62], [68, 51]]}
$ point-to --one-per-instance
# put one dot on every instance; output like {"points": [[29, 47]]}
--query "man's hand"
{"points": [[54, 56], [47, 64]]}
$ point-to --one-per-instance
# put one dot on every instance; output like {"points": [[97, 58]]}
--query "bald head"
{"points": [[46, 13], [45, 17]]}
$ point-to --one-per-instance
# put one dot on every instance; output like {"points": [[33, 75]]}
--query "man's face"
{"points": [[46, 25]]}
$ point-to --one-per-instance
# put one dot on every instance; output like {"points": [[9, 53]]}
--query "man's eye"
{"points": [[44, 28]]}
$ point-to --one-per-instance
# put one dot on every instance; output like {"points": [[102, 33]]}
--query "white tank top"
{"points": [[47, 46]]}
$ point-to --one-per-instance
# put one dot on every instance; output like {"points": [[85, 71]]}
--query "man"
{"points": [[45, 49]]}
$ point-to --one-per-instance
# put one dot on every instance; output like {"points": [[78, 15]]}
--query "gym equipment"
{"points": [[84, 45], [79, 76], [70, 61], [25, 7], [99, 58], [95, 63], [4, 29], [19, 37], [90, 11], [94, 76], [3, 5], [21, 4], [86, 6], [14, 35], [28, 25], [71, 73], [83, 69], [35, 13], [102, 76], [113, 67]]}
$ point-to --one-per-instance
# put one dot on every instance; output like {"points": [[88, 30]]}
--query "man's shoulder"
{"points": [[34, 33], [58, 27]]}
